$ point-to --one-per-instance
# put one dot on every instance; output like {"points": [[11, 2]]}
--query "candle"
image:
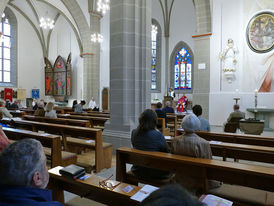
{"points": [[256, 92]]}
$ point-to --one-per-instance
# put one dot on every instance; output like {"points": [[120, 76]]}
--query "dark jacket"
{"points": [[25, 196], [161, 114], [151, 140], [168, 110]]}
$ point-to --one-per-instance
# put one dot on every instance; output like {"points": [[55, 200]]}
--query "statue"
{"points": [[229, 60], [182, 103]]}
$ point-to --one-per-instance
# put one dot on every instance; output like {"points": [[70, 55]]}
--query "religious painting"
{"points": [[48, 77], [59, 83], [260, 32]]}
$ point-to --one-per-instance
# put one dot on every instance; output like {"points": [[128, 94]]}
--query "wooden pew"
{"points": [[238, 138], [90, 189], [51, 143], [172, 123], [243, 152], [73, 122], [90, 114], [252, 176], [17, 113], [240, 151], [161, 125], [103, 152], [94, 121]]}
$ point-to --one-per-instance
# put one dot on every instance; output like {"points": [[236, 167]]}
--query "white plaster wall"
{"points": [[182, 27], [229, 20], [104, 56], [30, 58], [63, 41]]}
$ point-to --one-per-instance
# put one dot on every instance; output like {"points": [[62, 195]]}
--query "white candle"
{"points": [[256, 92]]}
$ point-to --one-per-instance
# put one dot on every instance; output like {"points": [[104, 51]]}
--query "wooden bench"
{"points": [[240, 151], [252, 176], [161, 125], [238, 138], [17, 113], [73, 122], [86, 138], [90, 189], [94, 121], [51, 143], [90, 114], [172, 123]]}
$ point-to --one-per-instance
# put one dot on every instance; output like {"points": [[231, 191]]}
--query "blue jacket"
{"points": [[25, 196], [168, 110]]}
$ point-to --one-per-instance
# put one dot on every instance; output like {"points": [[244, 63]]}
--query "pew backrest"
{"points": [[254, 176]]}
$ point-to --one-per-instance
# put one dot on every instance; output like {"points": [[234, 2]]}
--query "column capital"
{"points": [[95, 14]]}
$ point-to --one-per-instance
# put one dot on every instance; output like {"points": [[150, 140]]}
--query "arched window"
{"points": [[182, 68], [156, 56], [8, 54]]}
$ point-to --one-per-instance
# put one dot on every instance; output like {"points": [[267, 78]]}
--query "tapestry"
{"points": [[35, 94], [8, 94]]}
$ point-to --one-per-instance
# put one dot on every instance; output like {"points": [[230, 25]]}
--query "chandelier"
{"points": [[46, 23], [103, 6], [97, 38]]}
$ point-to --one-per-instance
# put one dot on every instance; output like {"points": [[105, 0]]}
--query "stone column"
{"points": [[130, 68], [91, 84], [202, 55]]}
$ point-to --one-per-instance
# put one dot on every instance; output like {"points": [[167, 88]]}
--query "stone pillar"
{"points": [[202, 55], [91, 77], [130, 68]]}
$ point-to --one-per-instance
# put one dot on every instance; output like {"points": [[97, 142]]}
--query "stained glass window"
{"points": [[154, 33], [5, 50], [183, 70]]}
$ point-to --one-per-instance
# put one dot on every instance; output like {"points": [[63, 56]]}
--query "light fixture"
{"points": [[97, 38], [46, 22], [103, 6]]}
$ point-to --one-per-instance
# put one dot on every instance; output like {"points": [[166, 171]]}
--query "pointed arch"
{"points": [[181, 67]]}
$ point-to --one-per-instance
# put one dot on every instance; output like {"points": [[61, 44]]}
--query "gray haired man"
{"points": [[24, 175]]}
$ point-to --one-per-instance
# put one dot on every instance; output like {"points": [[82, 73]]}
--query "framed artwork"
{"points": [[35, 94], [260, 32]]}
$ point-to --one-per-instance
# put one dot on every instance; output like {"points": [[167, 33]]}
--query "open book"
{"points": [[212, 200]]}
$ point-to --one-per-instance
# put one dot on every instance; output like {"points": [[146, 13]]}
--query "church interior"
{"points": [[127, 56]]}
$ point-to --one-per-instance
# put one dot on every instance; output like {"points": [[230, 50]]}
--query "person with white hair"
{"points": [[49, 110], [40, 110], [190, 144], [24, 175], [168, 108], [4, 111]]}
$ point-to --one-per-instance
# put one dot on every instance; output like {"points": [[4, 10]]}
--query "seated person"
{"points": [[92, 105], [24, 175], [40, 109], [146, 137], [49, 110], [197, 110], [14, 105], [190, 144], [168, 108], [4, 141], [4, 111], [160, 113], [171, 195], [236, 113], [79, 107], [73, 104]]}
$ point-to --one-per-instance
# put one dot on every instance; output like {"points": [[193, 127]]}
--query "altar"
{"points": [[262, 114]]}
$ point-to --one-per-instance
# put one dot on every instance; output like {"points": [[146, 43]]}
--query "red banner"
{"points": [[8, 94]]}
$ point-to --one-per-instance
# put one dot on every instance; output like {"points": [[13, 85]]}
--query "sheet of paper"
{"points": [[212, 200], [55, 170], [89, 141], [144, 192], [167, 137], [214, 142], [45, 134]]}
